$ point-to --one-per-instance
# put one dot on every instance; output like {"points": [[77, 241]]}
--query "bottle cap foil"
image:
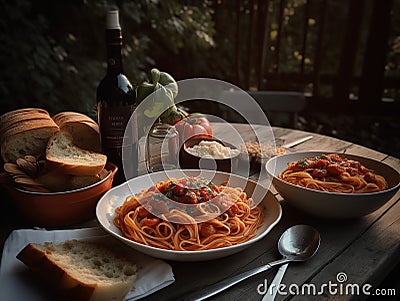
{"points": [[112, 20]]}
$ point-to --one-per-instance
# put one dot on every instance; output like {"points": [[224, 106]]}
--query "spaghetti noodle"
{"points": [[235, 218], [334, 174]]}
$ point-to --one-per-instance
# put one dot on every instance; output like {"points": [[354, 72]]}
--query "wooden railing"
{"points": [[334, 51]]}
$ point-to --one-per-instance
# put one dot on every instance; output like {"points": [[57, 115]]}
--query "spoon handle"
{"points": [[218, 287], [275, 284]]}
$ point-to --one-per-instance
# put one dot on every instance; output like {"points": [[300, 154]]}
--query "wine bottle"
{"points": [[115, 99]]}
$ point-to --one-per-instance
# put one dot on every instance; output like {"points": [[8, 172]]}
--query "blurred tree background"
{"points": [[53, 52], [52, 55]]}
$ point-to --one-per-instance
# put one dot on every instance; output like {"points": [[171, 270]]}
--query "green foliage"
{"points": [[52, 53]]}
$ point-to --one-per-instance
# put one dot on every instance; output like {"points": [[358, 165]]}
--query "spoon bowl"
{"points": [[299, 243]]}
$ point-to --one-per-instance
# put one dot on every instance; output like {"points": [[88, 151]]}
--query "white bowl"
{"points": [[330, 204], [105, 211]]}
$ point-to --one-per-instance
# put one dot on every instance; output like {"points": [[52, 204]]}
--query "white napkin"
{"points": [[153, 274]]}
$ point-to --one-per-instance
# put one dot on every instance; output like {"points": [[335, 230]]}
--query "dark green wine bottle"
{"points": [[115, 99]]}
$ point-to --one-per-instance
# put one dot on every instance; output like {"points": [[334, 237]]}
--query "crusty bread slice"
{"points": [[20, 112], [10, 119], [70, 113], [68, 158], [84, 130], [82, 270], [27, 138], [63, 117], [24, 120], [84, 134]]}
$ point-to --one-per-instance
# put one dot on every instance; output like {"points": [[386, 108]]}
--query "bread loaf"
{"points": [[25, 132], [65, 157], [84, 130], [26, 139], [20, 112], [65, 116], [82, 270], [25, 125], [13, 119]]}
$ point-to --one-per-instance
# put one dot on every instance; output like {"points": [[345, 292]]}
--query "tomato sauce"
{"points": [[332, 165]]}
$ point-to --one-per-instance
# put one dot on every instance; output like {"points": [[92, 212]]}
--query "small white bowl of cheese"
{"points": [[208, 153]]}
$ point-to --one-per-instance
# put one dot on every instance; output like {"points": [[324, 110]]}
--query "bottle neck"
{"points": [[114, 48]]}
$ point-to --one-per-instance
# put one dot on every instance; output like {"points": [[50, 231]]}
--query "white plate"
{"points": [[105, 211], [16, 282]]}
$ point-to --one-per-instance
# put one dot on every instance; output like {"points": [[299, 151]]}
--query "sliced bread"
{"points": [[86, 135], [64, 156], [82, 270], [84, 130], [72, 116], [26, 120], [26, 138], [21, 112], [10, 119]]}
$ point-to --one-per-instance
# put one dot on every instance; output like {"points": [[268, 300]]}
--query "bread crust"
{"points": [[72, 169], [64, 284], [31, 120], [70, 113], [23, 111], [10, 120], [65, 117], [28, 125]]}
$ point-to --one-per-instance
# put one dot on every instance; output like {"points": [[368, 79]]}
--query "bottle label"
{"points": [[113, 122]]}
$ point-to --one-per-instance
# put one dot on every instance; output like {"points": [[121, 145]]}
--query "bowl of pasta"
{"points": [[189, 215], [331, 185]]}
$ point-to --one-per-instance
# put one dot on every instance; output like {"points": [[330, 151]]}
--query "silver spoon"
{"points": [[298, 243]]}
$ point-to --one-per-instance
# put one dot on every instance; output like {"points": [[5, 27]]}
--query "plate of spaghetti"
{"points": [[189, 215], [333, 185]]}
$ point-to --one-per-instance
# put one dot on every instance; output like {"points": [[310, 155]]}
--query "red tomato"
{"points": [[319, 173], [370, 177], [194, 127], [322, 163], [233, 210], [204, 123], [150, 222], [142, 212], [198, 130], [335, 169]]}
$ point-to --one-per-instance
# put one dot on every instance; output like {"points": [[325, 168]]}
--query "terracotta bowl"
{"points": [[49, 209], [189, 161]]}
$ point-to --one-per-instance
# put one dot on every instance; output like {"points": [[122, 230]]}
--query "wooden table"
{"points": [[365, 249]]}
